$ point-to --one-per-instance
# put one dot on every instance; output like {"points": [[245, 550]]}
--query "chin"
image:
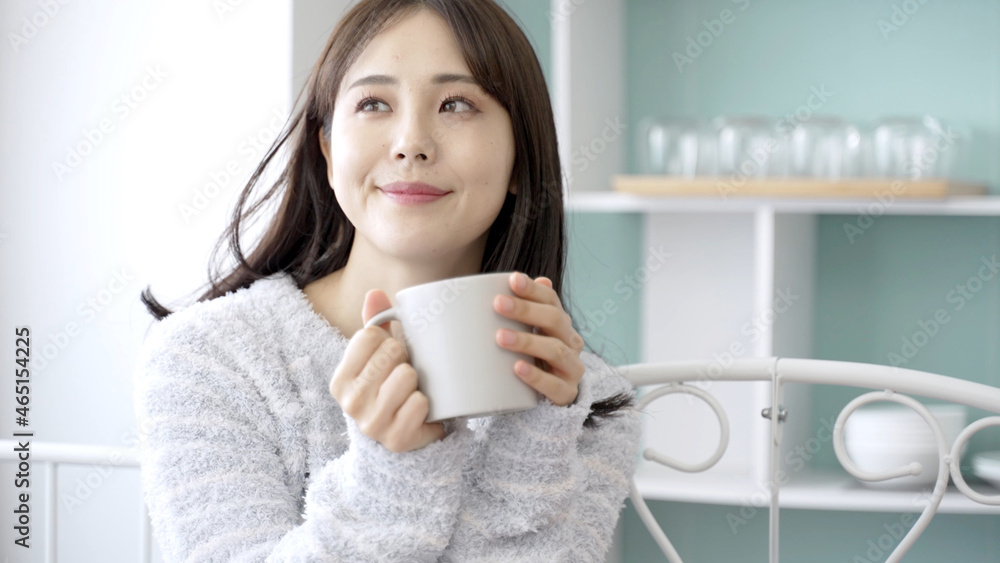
{"points": [[417, 248], [423, 244]]}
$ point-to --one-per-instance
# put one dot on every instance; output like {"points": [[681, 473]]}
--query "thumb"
{"points": [[376, 301]]}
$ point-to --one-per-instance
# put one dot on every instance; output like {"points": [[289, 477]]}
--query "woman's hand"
{"points": [[377, 387], [554, 343]]}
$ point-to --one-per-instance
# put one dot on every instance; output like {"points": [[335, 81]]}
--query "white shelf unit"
{"points": [[812, 490], [616, 202], [728, 258], [739, 280]]}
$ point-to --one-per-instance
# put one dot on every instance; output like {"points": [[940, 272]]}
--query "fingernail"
{"points": [[520, 281], [506, 303], [507, 337]]}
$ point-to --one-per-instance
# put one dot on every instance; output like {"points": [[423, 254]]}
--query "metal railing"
{"points": [[53, 455], [891, 384]]}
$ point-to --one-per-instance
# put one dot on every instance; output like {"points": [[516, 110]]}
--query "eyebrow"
{"points": [[386, 80]]}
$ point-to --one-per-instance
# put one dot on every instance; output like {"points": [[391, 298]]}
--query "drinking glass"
{"points": [[750, 146], [915, 147], [669, 146], [825, 147]]}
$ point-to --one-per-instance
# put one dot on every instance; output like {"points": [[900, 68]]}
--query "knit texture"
{"points": [[247, 457]]}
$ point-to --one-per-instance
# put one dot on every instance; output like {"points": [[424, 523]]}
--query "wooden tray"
{"points": [[795, 187]]}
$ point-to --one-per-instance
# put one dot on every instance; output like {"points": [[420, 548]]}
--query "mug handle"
{"points": [[387, 315]]}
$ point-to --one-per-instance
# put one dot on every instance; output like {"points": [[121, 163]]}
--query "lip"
{"points": [[412, 192]]}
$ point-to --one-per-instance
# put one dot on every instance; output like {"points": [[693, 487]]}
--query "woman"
{"points": [[277, 428]]}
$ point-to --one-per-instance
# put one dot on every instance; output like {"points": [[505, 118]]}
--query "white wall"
{"points": [[179, 87], [588, 90]]}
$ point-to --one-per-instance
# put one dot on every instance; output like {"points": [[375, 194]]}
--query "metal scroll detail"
{"points": [[948, 461], [653, 455], [956, 474]]}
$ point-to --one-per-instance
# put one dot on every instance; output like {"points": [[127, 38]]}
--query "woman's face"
{"points": [[408, 110]]}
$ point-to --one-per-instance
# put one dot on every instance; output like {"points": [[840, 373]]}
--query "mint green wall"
{"points": [[945, 61], [603, 251], [533, 17]]}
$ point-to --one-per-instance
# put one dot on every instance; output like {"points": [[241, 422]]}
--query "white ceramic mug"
{"points": [[449, 328]]}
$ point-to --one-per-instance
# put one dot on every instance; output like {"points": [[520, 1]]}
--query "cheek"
{"points": [[352, 141], [351, 156], [343, 151], [484, 163]]}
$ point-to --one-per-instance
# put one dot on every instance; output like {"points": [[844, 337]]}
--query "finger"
{"points": [[389, 397], [409, 431], [544, 280], [375, 302], [557, 390], [355, 391], [525, 287], [359, 350], [390, 353], [396, 388], [553, 321], [563, 360]]}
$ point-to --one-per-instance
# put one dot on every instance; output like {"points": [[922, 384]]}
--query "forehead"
{"points": [[416, 49]]}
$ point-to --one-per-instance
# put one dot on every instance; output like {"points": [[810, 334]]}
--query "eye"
{"points": [[453, 104], [368, 101], [453, 101]]}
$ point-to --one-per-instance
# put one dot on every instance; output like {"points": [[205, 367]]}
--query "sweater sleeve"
{"points": [[218, 489], [543, 487]]}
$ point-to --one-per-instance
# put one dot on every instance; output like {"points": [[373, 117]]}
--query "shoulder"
{"points": [[603, 379], [221, 314], [221, 326], [216, 360], [224, 355]]}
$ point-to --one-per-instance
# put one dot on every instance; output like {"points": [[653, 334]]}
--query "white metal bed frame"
{"points": [[891, 384], [52, 456]]}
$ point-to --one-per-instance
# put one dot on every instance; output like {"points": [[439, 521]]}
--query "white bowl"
{"points": [[882, 437]]}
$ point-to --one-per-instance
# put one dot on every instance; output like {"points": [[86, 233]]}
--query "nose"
{"points": [[414, 140]]}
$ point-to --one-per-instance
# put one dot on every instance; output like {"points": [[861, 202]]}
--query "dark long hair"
{"points": [[309, 236]]}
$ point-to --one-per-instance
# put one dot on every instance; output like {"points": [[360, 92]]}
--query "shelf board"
{"points": [[865, 187], [810, 490], [617, 202]]}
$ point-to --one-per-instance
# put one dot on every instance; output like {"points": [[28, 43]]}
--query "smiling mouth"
{"points": [[413, 198], [412, 193], [415, 188]]}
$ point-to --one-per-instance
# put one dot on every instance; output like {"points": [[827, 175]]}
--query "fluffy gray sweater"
{"points": [[247, 457]]}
